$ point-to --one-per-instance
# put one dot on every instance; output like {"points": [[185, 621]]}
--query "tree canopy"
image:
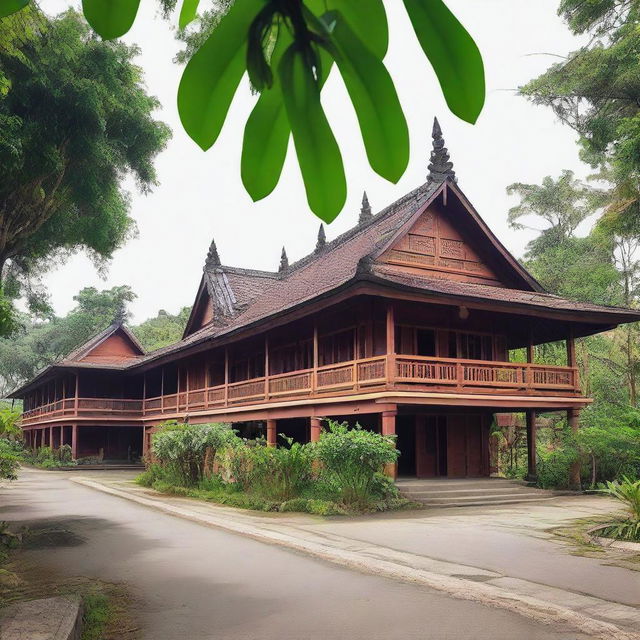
{"points": [[596, 91], [76, 120]]}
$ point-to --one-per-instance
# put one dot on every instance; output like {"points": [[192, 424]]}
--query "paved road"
{"points": [[197, 583]]}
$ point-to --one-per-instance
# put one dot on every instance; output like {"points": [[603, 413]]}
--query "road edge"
{"points": [[460, 588]]}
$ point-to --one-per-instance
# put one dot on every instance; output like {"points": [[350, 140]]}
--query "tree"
{"points": [[288, 50], [39, 344], [76, 120], [162, 330], [596, 91], [582, 268]]}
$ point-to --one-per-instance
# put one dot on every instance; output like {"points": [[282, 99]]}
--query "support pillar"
{"points": [[316, 427], [74, 441], [389, 429], [145, 443], [532, 474], [271, 432], [51, 438], [573, 418]]}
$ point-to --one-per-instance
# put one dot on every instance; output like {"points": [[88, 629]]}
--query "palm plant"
{"points": [[628, 492]]}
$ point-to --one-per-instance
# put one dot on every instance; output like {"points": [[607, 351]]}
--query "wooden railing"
{"points": [[85, 407], [384, 372]]}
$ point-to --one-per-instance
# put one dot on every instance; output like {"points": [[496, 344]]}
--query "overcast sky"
{"points": [[201, 196]]}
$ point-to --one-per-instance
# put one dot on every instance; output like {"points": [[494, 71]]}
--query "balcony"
{"points": [[387, 372]]}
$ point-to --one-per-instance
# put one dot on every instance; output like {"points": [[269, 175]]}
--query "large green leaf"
{"points": [[367, 18], [7, 7], [266, 134], [110, 18], [382, 122], [188, 12], [211, 77], [453, 55], [316, 147]]}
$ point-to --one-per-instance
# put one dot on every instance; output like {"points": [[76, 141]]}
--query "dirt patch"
{"points": [[575, 535], [109, 607]]}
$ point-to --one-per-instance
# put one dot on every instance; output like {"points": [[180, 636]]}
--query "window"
{"points": [[475, 347], [336, 347]]}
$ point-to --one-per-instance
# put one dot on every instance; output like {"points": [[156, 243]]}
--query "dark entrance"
{"points": [[455, 446], [406, 443]]}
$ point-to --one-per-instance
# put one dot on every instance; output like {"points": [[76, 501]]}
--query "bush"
{"points": [[354, 457], [189, 449], [553, 468], [10, 458]]}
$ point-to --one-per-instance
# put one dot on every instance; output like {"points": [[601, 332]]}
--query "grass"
{"points": [[232, 495], [106, 606]]}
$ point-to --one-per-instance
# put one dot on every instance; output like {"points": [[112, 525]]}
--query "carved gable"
{"points": [[115, 347], [433, 244]]}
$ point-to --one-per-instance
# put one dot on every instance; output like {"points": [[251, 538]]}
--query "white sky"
{"points": [[201, 196]]}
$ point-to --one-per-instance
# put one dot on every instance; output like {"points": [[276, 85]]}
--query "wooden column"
{"points": [[51, 437], [391, 345], [316, 427], [271, 432], [266, 366], [74, 441], [162, 389], [573, 418], [77, 393], [532, 475], [314, 373], [144, 391], [226, 376], [145, 443], [571, 350], [389, 429]]}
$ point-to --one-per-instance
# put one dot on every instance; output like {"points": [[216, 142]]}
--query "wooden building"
{"points": [[404, 324]]}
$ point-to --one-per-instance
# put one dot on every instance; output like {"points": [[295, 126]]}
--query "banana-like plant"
{"points": [[288, 48]]}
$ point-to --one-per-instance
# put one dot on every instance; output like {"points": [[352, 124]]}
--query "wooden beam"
{"points": [[531, 445], [573, 418], [271, 432], [316, 428], [389, 429], [391, 343], [571, 349]]}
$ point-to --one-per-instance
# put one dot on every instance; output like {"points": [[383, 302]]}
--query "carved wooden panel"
{"points": [[434, 244]]}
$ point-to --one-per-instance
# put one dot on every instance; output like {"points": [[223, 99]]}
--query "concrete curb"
{"points": [[540, 610], [58, 618]]}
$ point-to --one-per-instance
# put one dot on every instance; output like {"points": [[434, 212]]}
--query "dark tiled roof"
{"points": [[483, 292]]}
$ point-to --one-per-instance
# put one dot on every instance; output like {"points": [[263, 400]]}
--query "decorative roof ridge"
{"points": [[258, 273], [394, 207]]}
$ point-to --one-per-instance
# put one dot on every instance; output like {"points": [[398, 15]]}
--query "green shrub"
{"points": [[152, 473], [553, 467], [10, 459], [354, 457], [186, 448], [628, 492], [279, 473], [65, 454]]}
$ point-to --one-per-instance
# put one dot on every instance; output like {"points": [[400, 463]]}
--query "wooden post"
{"points": [[226, 376], [314, 373], [76, 396], [51, 437], [316, 427], [144, 392], [573, 418], [271, 432], [161, 389], [266, 366], [531, 445], [389, 429], [391, 344], [74, 441], [187, 396], [571, 349], [145, 443]]}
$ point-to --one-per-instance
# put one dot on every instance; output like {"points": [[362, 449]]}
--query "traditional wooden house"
{"points": [[403, 323]]}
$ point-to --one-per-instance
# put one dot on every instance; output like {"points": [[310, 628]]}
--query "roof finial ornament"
{"points": [[213, 259], [120, 316], [440, 167], [322, 238], [365, 210], [284, 261]]}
